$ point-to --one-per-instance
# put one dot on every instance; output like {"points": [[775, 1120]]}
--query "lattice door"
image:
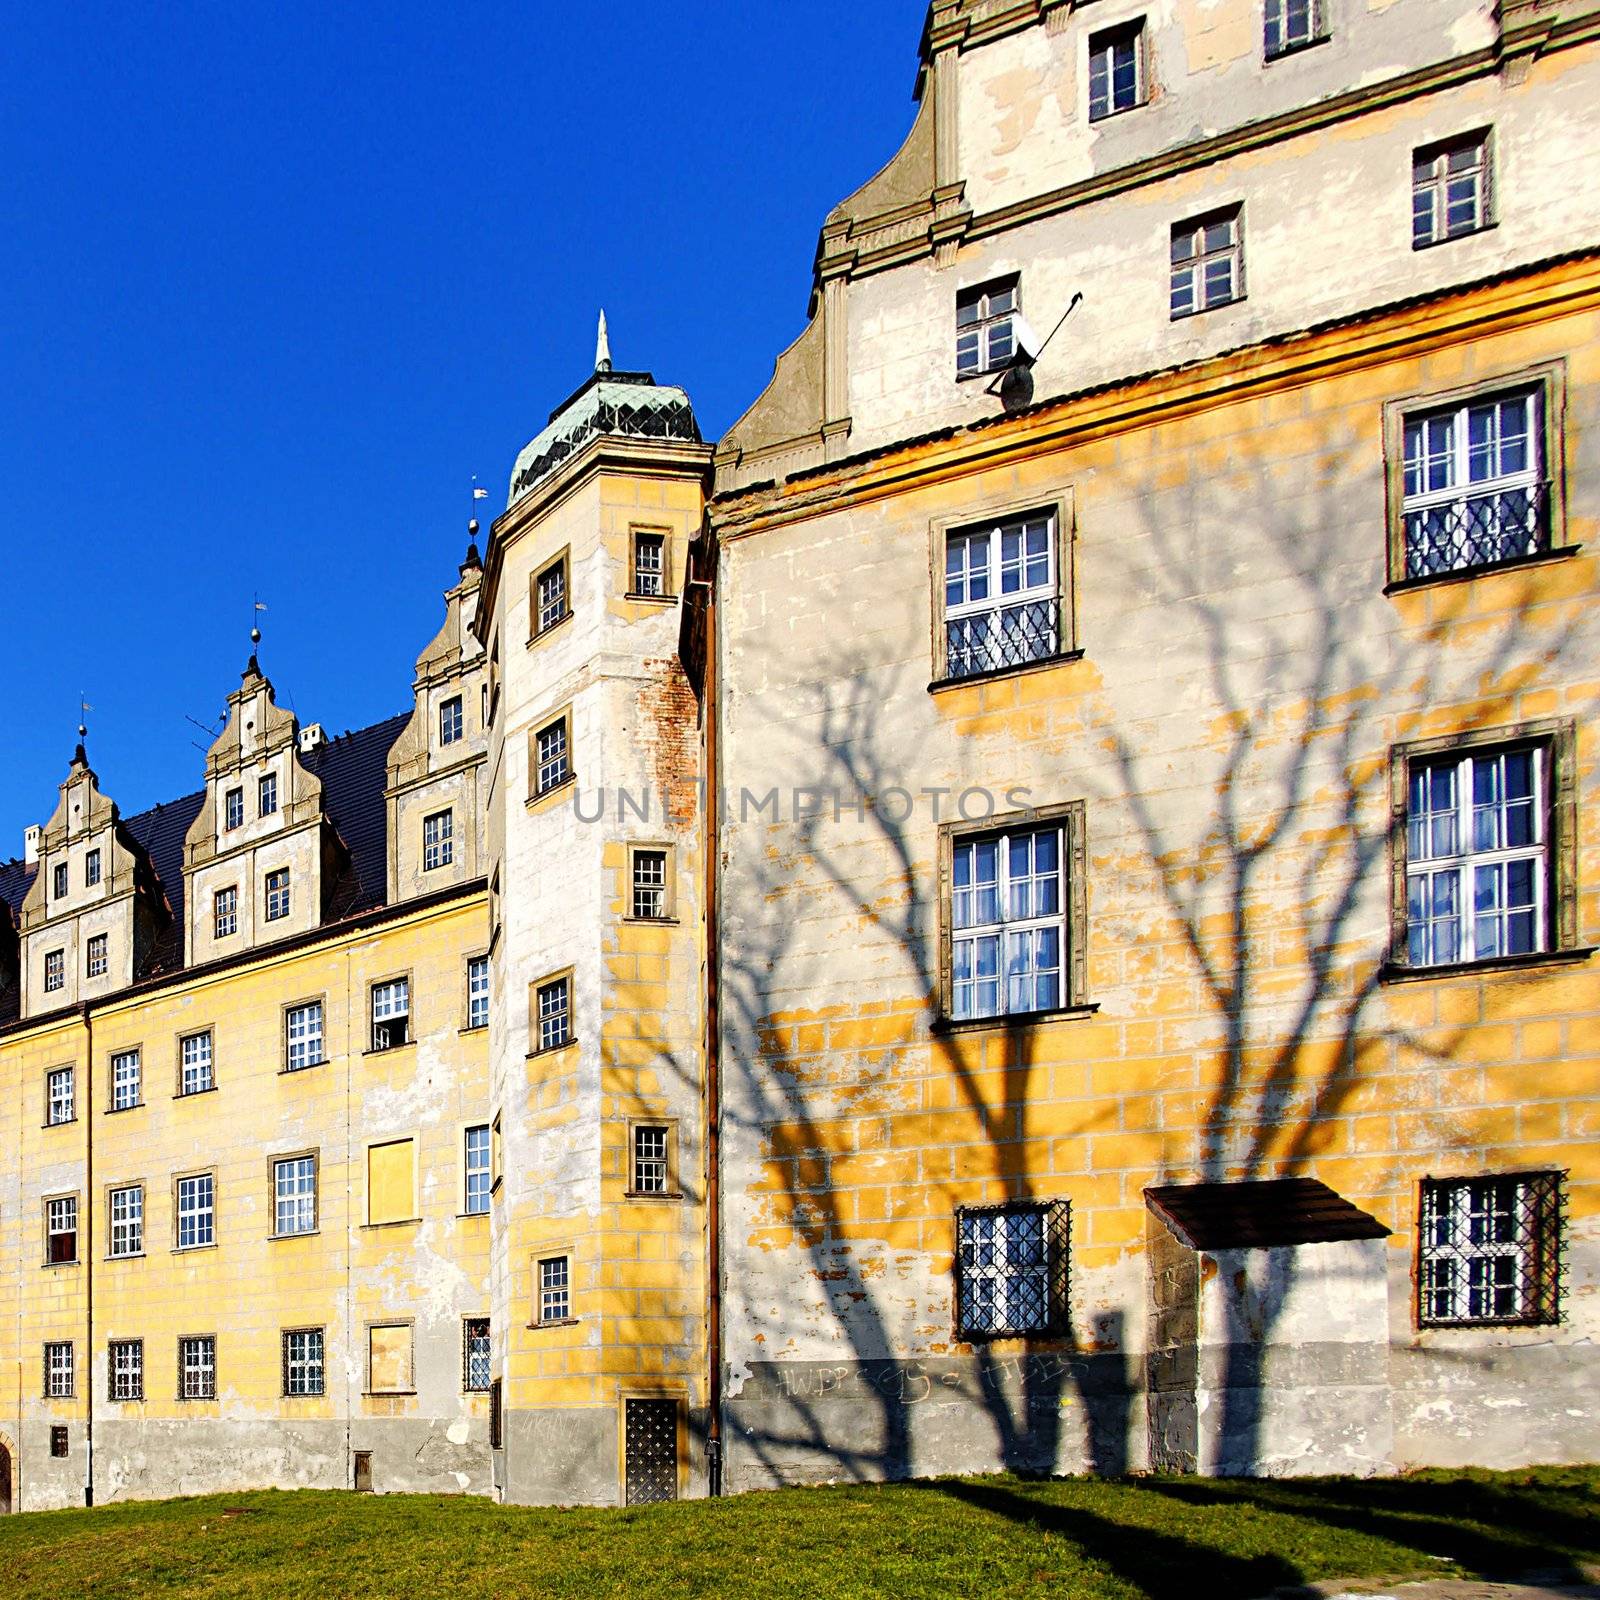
{"points": [[651, 1451]]}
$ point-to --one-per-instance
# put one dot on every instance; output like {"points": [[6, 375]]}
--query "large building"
{"points": [[1032, 906]]}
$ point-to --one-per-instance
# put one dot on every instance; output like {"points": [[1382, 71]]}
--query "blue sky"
{"points": [[277, 282]]}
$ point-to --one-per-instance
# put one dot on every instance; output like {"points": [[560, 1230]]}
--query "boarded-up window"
{"points": [[389, 1359], [389, 1184]]}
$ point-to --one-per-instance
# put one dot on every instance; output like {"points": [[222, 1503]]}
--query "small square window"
{"points": [[1451, 189], [650, 885], [1489, 1250], [97, 955], [986, 333], [59, 881], [450, 721], [553, 1013], [125, 1369], [1292, 25], [58, 1442], [391, 1013], [126, 1080], [91, 869], [552, 757], [55, 971], [195, 1075], [59, 1086], [61, 1230], [550, 596], [59, 1374], [268, 795], [302, 1362], [438, 841], [302, 1026], [1116, 70], [233, 809], [277, 894], [225, 913], [126, 1208], [478, 992], [196, 1211], [197, 1368], [294, 1196], [649, 563], [475, 1355], [555, 1289], [652, 1165], [1207, 262], [1011, 1270]]}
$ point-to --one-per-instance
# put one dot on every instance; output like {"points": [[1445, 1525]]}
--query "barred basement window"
{"points": [[550, 596], [196, 1075], [1002, 595], [59, 1085], [61, 1231], [438, 840], [478, 992], [1292, 25], [1011, 1270], [91, 869], [302, 1361], [553, 1013], [59, 1376], [450, 720], [649, 563], [294, 1196], [475, 1355], [127, 1221], [55, 970], [303, 1035], [267, 795], [391, 1013], [125, 1369], [986, 335], [479, 1180], [196, 1212], [651, 1166], [1450, 189], [59, 1447], [97, 955], [225, 913], [555, 1289], [1489, 1250], [1116, 75], [277, 894], [233, 809], [649, 885], [197, 1368], [125, 1080], [1207, 262]]}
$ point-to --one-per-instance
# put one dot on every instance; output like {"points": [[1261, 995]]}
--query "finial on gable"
{"points": [[602, 348]]}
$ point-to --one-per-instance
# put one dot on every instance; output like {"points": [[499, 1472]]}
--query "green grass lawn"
{"points": [[983, 1537]]}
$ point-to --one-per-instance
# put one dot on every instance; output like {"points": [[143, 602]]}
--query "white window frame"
{"points": [[195, 1211], [1009, 930], [1105, 95], [1291, 25], [553, 1003], [97, 955], [478, 991], [650, 1158], [125, 1208], [196, 1065], [998, 1275], [294, 1196], [452, 721], [986, 325], [650, 575], [60, 1370], [438, 840], [1194, 253], [55, 971], [125, 1369], [302, 1033], [1496, 1208], [127, 1080], [225, 913], [304, 1363], [648, 890], [390, 1004], [60, 881], [552, 756], [550, 595], [477, 1165], [60, 1220], [233, 810], [91, 869], [61, 1091], [267, 795], [277, 887], [1433, 180], [477, 1357], [555, 1288], [197, 1367], [996, 629]]}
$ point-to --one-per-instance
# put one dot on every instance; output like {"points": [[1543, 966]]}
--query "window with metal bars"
{"points": [[97, 956], [294, 1196], [553, 1004], [1002, 595], [125, 1080], [391, 1013], [479, 1178], [1008, 923], [125, 1369], [196, 1212], [550, 596], [1011, 1269], [59, 1370], [303, 1036], [61, 1230], [277, 894], [1489, 1250], [649, 563], [475, 1355], [438, 840], [1450, 189], [1116, 70], [555, 1289], [1207, 262], [62, 1095], [225, 913], [650, 885], [127, 1221], [196, 1075], [986, 334], [478, 992], [55, 971], [1292, 25], [197, 1368], [652, 1168], [302, 1361]]}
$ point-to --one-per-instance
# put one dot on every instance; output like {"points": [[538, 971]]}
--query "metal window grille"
{"points": [[479, 1177], [59, 1377], [650, 884], [1207, 263], [294, 1195], [197, 1368], [1001, 596], [233, 809], [649, 564], [59, 1447], [555, 1013], [277, 894], [391, 1013], [553, 767], [1450, 190], [127, 1221], [555, 1290], [61, 1229], [62, 1108], [1292, 24], [303, 1027], [552, 595], [1115, 76], [55, 970], [475, 1355], [1011, 1270], [1473, 491], [197, 1074], [650, 1451], [125, 1078], [451, 725], [125, 1369], [226, 913], [478, 992], [438, 840], [649, 1160], [60, 881], [267, 795], [91, 869], [302, 1361], [986, 335], [1008, 923], [196, 1211], [98, 957], [1477, 871], [1489, 1250]]}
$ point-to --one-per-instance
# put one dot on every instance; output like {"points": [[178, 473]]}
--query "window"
{"points": [[438, 844], [479, 1179], [555, 1290], [267, 796], [1116, 70], [294, 1196], [97, 957], [1489, 1250], [552, 766], [1450, 190], [1008, 923], [389, 1359], [233, 809], [450, 723], [651, 1166], [58, 1442], [91, 869], [478, 992], [196, 1075], [1207, 262], [391, 1013], [225, 913], [649, 563], [1292, 24], [59, 1377], [302, 1361], [59, 881], [475, 1355], [197, 1368], [59, 1088], [61, 1230], [650, 885], [125, 1080], [125, 1369], [1011, 1270], [1002, 595], [390, 1187], [1477, 878], [127, 1221], [1474, 492], [197, 1217], [55, 970], [277, 894], [302, 1026], [553, 1013], [986, 335], [550, 596]]}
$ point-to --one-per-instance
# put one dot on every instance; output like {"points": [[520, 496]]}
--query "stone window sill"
{"points": [[557, 1322], [1060, 658], [1015, 1019], [1429, 580], [1398, 972], [399, 1222]]}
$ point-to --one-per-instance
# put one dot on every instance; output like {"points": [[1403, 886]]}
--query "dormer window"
{"points": [[91, 869], [438, 840], [59, 881], [269, 795], [233, 809], [450, 721], [986, 334]]}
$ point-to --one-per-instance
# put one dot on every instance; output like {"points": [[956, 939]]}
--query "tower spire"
{"points": [[602, 347]]}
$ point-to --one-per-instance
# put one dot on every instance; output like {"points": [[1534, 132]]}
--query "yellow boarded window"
{"points": [[389, 1182], [389, 1359]]}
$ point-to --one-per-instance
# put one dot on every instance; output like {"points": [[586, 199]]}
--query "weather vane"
{"points": [[255, 622], [84, 708]]}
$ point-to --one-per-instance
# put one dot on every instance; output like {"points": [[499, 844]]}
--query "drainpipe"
{"points": [[86, 1234]]}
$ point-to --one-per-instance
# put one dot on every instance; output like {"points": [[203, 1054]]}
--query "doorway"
{"points": [[363, 1472], [650, 1451], [5, 1480]]}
